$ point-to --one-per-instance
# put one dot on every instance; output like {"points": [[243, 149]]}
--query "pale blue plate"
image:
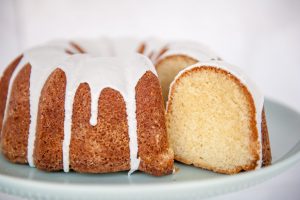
{"points": [[188, 183]]}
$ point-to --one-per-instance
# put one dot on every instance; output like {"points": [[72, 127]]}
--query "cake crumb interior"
{"points": [[209, 121]]}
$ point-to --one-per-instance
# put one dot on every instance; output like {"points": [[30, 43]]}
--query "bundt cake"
{"points": [[216, 120], [96, 106], [62, 109]]}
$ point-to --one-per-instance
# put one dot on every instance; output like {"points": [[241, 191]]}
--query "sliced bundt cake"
{"points": [[215, 119], [96, 106]]}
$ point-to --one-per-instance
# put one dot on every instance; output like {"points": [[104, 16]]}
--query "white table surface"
{"points": [[262, 37]]}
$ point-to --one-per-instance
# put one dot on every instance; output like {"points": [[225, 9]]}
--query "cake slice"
{"points": [[216, 120]]}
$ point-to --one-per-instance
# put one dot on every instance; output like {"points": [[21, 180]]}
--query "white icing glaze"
{"points": [[96, 47], [125, 45], [120, 73], [256, 94], [109, 47], [43, 61], [62, 44]]}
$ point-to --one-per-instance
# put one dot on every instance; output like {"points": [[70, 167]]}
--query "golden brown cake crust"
{"points": [[141, 48], [253, 137], [15, 129], [4, 83], [162, 51], [104, 147], [50, 123], [266, 148], [77, 47], [156, 157]]}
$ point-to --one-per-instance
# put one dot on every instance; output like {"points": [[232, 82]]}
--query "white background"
{"points": [[262, 37]]}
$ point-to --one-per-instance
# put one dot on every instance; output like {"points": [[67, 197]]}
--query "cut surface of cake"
{"points": [[65, 110], [215, 119]]}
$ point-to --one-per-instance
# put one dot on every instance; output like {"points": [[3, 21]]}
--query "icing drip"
{"points": [[41, 66], [43, 61], [121, 74], [256, 94]]}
